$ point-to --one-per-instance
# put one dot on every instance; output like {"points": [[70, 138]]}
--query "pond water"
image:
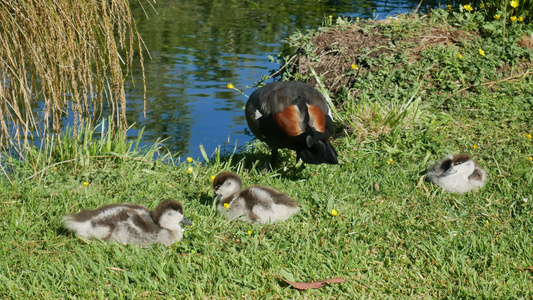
{"points": [[198, 47]]}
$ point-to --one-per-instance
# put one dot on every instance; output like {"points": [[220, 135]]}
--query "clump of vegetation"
{"points": [[67, 55], [436, 58]]}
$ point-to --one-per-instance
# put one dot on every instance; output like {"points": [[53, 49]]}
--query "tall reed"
{"points": [[62, 59]]}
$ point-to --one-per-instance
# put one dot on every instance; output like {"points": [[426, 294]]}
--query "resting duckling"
{"points": [[457, 174], [255, 204], [130, 223]]}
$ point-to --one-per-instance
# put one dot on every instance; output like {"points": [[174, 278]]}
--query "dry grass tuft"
{"points": [[67, 55], [526, 42], [366, 119]]}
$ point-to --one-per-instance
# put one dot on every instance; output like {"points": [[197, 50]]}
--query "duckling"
{"points": [[130, 223], [255, 204], [457, 174], [293, 115]]}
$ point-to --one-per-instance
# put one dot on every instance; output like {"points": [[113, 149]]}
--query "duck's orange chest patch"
{"points": [[288, 120]]}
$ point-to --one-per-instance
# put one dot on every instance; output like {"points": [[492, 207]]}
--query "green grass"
{"points": [[395, 235]]}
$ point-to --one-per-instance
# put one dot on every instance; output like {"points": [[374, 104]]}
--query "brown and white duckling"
{"points": [[457, 174], [293, 115], [130, 223], [255, 204]]}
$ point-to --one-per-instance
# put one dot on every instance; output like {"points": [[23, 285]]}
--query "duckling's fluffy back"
{"points": [[266, 205], [100, 222]]}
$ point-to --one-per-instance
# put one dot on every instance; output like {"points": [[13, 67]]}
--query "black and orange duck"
{"points": [[292, 115]]}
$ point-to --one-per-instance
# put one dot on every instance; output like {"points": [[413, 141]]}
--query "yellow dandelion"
{"points": [[528, 136], [448, 7], [249, 232], [468, 7], [475, 146], [212, 178], [85, 183], [354, 67], [334, 212], [520, 19], [481, 52], [226, 205], [189, 159], [514, 4], [459, 55], [513, 18], [230, 86], [330, 16], [497, 17], [189, 170], [390, 161]]}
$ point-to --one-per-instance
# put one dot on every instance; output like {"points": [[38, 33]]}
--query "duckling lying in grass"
{"points": [[255, 204], [457, 174], [130, 223]]}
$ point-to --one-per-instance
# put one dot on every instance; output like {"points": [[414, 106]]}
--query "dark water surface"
{"points": [[198, 47]]}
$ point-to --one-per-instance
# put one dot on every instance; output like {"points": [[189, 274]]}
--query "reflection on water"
{"points": [[198, 47]]}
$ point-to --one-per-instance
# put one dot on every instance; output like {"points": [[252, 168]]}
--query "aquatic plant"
{"points": [[62, 59]]}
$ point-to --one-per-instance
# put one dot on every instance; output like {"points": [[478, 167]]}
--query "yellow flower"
{"points": [[189, 159], [475, 146], [354, 67], [513, 18], [249, 232], [333, 212], [468, 7], [497, 17], [530, 158], [481, 52], [212, 178], [330, 16], [520, 19], [514, 4], [459, 55], [189, 170], [390, 161], [448, 7], [528, 136], [230, 86], [226, 205], [85, 183]]}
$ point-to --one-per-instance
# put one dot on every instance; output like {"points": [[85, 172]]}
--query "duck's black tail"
{"points": [[322, 152]]}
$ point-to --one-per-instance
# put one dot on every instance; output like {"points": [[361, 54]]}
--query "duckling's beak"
{"points": [[185, 221], [449, 172]]}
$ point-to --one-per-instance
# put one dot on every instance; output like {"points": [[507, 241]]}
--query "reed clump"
{"points": [[62, 59]]}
